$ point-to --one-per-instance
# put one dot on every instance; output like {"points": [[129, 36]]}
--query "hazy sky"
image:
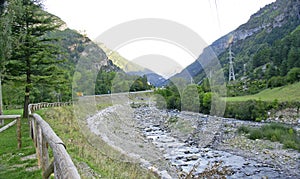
{"points": [[210, 19]]}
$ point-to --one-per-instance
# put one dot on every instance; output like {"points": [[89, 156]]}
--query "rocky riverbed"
{"points": [[180, 144]]}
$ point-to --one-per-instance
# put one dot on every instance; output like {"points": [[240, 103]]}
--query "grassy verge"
{"points": [[13, 161], [86, 148], [282, 94], [274, 132]]}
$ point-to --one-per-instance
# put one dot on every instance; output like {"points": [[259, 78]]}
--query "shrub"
{"points": [[276, 81], [243, 129], [293, 75], [247, 110], [291, 144], [275, 132], [256, 134]]}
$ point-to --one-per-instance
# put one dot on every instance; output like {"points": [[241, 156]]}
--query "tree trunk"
{"points": [[1, 104], [26, 103], [28, 74]]}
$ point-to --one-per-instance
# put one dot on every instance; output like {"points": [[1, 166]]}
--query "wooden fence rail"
{"points": [[18, 121], [38, 106], [43, 136]]}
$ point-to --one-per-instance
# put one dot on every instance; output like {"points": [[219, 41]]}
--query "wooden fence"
{"points": [[38, 106], [43, 136], [18, 121]]}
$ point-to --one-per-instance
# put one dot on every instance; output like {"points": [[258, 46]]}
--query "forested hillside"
{"points": [[266, 49], [43, 58]]}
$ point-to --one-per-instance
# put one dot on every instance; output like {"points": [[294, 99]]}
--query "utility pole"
{"points": [[231, 69]]}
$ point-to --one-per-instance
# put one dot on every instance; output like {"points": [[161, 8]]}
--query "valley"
{"points": [[232, 113]]}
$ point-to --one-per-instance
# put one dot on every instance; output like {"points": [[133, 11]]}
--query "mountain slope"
{"points": [[263, 30], [132, 68]]}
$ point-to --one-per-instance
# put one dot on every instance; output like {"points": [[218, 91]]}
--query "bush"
{"points": [[243, 129], [293, 75], [247, 110], [291, 144], [276, 81], [256, 134], [276, 133]]}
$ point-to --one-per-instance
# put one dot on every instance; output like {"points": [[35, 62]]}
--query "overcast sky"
{"points": [[210, 19]]}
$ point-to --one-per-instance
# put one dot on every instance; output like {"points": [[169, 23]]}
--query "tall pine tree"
{"points": [[34, 58]]}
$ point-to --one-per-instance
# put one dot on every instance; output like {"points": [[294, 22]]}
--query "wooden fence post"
{"points": [[19, 138], [49, 170], [39, 144], [45, 154]]}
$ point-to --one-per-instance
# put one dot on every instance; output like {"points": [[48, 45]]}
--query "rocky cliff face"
{"points": [[272, 16]]}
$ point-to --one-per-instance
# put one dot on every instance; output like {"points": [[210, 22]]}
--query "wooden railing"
{"points": [[18, 121], [43, 136], [38, 106]]}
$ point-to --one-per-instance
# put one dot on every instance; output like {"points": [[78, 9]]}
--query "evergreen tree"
{"points": [[2, 45], [34, 58]]}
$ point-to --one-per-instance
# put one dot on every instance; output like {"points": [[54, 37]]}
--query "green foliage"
{"points": [[171, 98], [294, 75], [245, 87], [33, 58], [206, 102], [277, 81], [247, 110], [109, 81], [262, 56], [243, 129], [104, 82], [274, 132], [140, 84], [192, 98]]}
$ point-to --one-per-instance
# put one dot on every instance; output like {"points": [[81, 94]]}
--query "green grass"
{"points": [[274, 132], [285, 93], [11, 165], [84, 146]]}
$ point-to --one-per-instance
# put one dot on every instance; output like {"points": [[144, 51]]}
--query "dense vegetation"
{"points": [[272, 66], [196, 98], [274, 132], [113, 82]]}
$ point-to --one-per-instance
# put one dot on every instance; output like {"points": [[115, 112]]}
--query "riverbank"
{"points": [[182, 144]]}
